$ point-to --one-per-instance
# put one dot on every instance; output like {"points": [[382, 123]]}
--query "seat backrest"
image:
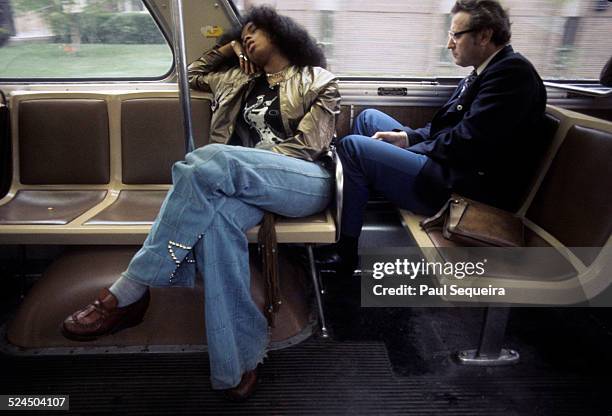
{"points": [[152, 137], [63, 141], [574, 200], [5, 147], [343, 121], [414, 116], [541, 153]]}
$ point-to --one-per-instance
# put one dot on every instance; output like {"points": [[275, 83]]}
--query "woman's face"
{"points": [[257, 44]]}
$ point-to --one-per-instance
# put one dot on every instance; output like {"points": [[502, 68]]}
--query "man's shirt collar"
{"points": [[486, 62]]}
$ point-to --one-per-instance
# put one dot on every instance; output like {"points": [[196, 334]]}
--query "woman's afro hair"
{"points": [[290, 37]]}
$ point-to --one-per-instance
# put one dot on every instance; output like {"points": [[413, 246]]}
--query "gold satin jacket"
{"points": [[309, 102]]}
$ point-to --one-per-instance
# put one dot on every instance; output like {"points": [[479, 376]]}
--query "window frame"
{"points": [[428, 80], [88, 80]]}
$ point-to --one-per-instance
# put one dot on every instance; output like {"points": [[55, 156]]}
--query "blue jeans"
{"points": [[218, 193], [374, 164]]}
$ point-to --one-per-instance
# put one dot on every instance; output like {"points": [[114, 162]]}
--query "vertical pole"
{"points": [[180, 59], [492, 333], [490, 351], [317, 289], [23, 285]]}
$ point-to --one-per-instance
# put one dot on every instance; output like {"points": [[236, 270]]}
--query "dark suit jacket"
{"points": [[486, 143]]}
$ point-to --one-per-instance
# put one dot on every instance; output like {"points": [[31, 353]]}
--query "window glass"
{"points": [[80, 39], [565, 39]]}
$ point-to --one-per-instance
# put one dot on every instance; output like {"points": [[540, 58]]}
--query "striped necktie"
{"points": [[467, 81]]}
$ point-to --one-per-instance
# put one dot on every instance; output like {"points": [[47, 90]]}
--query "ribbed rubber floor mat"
{"points": [[317, 377]]}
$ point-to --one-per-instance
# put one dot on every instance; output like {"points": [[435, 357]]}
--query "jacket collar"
{"points": [[291, 72], [503, 53], [486, 62]]}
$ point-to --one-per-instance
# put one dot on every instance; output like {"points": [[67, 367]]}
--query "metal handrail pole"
{"points": [[180, 59]]}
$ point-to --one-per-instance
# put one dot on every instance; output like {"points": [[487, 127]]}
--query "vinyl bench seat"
{"points": [[568, 211], [90, 171], [107, 188]]}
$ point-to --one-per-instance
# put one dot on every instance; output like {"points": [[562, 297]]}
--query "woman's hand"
{"points": [[245, 63]]}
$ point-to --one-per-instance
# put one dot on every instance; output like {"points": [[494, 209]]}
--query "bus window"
{"points": [[80, 39], [407, 38]]}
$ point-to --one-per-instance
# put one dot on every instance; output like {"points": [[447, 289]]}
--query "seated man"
{"points": [[483, 143]]}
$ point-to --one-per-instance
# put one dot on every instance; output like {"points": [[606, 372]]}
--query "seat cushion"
{"points": [[134, 207], [55, 207], [131, 208], [538, 261]]}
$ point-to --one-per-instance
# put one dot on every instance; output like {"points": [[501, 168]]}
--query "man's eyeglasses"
{"points": [[455, 36]]}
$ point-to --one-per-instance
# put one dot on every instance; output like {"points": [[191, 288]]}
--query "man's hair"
{"points": [[486, 14], [290, 38]]}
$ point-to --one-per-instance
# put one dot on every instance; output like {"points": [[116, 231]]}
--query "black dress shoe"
{"points": [[245, 389], [341, 257], [327, 255]]}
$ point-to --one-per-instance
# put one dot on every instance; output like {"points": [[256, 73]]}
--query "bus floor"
{"points": [[379, 361]]}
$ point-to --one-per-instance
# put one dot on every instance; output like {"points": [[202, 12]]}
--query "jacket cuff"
{"points": [[405, 130], [416, 136]]}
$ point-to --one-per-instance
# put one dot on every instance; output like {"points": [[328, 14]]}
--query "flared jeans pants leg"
{"points": [[218, 193]]}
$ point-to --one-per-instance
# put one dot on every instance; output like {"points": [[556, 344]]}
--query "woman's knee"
{"points": [[207, 165], [206, 153]]}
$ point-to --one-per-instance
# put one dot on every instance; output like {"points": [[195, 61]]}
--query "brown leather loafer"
{"points": [[245, 389], [103, 317]]}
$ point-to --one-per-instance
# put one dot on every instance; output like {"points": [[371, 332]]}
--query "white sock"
{"points": [[127, 291]]}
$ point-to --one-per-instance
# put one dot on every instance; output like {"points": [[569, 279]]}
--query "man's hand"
{"points": [[396, 138]]}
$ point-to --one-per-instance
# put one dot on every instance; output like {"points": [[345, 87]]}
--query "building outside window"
{"points": [[565, 39]]}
